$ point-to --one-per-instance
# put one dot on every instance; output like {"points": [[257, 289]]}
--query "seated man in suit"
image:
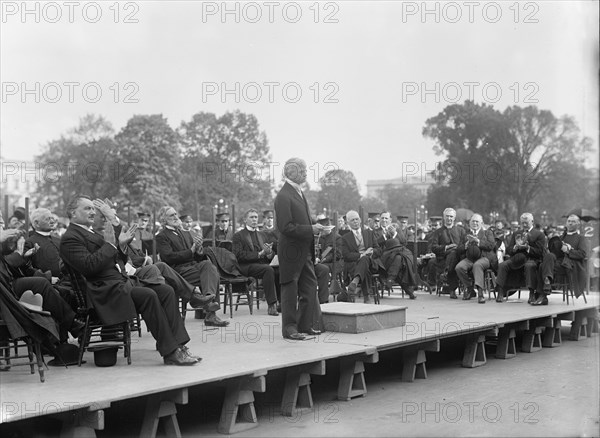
{"points": [[115, 296], [479, 256], [448, 245], [183, 251], [526, 249], [254, 256], [143, 240], [223, 229], [361, 254], [566, 258], [14, 264], [47, 257], [325, 258], [398, 260]]}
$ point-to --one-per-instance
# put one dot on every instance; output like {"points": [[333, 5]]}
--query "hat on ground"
{"points": [[104, 355], [33, 302], [65, 354]]}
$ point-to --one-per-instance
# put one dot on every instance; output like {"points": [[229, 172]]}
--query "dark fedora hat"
{"points": [[65, 354], [104, 355], [392, 244]]}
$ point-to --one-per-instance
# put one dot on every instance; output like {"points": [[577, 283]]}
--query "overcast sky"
{"points": [[361, 70]]}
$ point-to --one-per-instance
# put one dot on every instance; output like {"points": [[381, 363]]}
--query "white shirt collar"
{"points": [[294, 185], [44, 233], [250, 228], [90, 229]]}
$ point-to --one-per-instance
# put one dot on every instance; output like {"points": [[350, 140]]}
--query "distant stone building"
{"points": [[422, 184]]}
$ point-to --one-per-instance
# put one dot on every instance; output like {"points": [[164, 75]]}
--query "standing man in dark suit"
{"points": [[361, 254], [115, 296], [254, 255], [526, 248], [299, 306], [183, 251], [479, 256]]}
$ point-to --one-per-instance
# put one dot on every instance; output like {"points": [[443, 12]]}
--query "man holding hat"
{"points": [[526, 249]]}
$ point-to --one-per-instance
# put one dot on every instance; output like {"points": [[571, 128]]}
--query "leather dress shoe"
{"points": [[214, 321], [531, 298], [211, 307], [453, 295], [188, 353], [279, 307], [296, 336], [198, 301], [273, 310], [313, 332], [411, 294], [480, 296], [547, 288], [352, 291], [178, 357], [468, 293], [542, 300], [77, 328]]}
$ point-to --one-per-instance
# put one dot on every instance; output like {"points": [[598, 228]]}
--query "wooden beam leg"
{"points": [[474, 355], [83, 422], [532, 340], [296, 392], [352, 376], [552, 336], [413, 365], [162, 405], [238, 412], [579, 327], [506, 348]]}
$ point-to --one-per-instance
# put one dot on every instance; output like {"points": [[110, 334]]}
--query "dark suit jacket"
{"points": [[107, 288], [444, 236], [48, 257], [296, 242], [351, 254], [244, 249], [536, 240], [487, 244], [175, 250]]}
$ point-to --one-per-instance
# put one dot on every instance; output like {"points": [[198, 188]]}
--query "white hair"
{"points": [[37, 214]]}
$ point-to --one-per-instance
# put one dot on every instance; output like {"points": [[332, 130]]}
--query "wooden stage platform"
{"points": [[240, 356]]}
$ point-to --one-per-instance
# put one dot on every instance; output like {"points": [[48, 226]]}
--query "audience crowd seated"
{"points": [[129, 270]]}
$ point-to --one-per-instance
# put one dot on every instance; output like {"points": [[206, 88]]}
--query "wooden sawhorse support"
{"points": [[532, 338], [352, 375], [296, 393], [162, 406], [83, 422], [579, 326], [552, 336], [414, 360], [238, 412], [474, 355], [593, 319]]}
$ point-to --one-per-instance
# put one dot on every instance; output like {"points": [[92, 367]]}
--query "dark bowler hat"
{"points": [[104, 355], [185, 216], [224, 216], [392, 244], [19, 213], [402, 217], [143, 214], [373, 215], [65, 354], [268, 214], [435, 218]]}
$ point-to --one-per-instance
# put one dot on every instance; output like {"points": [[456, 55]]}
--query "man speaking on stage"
{"points": [[300, 311]]}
